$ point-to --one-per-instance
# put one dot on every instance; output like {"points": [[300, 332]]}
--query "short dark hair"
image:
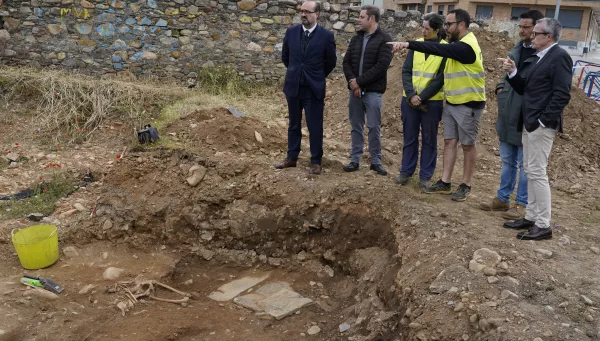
{"points": [[436, 22], [461, 15], [533, 14], [371, 11]]}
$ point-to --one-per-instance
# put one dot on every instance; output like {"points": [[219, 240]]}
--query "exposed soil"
{"points": [[388, 260]]}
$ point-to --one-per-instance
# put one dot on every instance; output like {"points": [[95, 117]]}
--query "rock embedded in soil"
{"points": [[87, 289], [508, 295], [70, 252], [313, 330], [595, 250], [41, 293], [197, 174], [543, 253], [112, 273], [79, 207], [483, 258]]}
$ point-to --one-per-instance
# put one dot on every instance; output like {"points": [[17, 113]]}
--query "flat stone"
{"points": [[587, 300], [55, 29], [230, 290], [350, 28], [86, 4], [344, 327], [595, 250], [41, 293], [276, 299], [83, 28]]}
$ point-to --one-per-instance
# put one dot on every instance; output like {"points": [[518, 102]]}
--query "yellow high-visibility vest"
{"points": [[465, 82], [424, 71]]}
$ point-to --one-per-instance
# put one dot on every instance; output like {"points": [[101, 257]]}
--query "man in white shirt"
{"points": [[546, 92]]}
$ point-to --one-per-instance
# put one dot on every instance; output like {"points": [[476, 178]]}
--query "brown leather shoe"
{"points": [[286, 164], [495, 205], [515, 213], [315, 169]]}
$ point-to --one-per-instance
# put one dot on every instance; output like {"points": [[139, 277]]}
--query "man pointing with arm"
{"points": [[464, 85]]}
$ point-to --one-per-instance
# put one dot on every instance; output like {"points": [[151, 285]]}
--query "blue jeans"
{"points": [[512, 160]]}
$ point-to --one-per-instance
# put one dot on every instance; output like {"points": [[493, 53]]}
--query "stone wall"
{"points": [[165, 39]]}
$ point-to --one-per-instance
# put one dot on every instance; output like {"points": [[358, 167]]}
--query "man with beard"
{"points": [[365, 66], [464, 86], [309, 55], [509, 131]]}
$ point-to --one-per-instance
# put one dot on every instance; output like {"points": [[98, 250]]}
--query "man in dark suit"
{"points": [[309, 55], [546, 92]]}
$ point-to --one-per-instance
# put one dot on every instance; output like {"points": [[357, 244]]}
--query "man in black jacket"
{"points": [[546, 93], [365, 67]]}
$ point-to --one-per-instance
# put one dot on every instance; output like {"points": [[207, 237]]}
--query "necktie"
{"points": [[305, 40]]}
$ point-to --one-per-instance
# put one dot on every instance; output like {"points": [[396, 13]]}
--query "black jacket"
{"points": [[377, 59], [546, 91]]}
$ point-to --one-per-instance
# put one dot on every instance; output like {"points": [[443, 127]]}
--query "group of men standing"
{"points": [[443, 80]]}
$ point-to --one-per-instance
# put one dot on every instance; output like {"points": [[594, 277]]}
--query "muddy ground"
{"points": [[391, 262]]}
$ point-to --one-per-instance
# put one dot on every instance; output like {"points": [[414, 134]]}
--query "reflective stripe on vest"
{"points": [[424, 71], [465, 82]]}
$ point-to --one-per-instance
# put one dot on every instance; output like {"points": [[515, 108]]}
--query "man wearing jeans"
{"points": [[546, 93], [509, 132], [365, 67]]}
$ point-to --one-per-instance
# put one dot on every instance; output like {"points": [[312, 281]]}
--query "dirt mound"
{"points": [[210, 131]]}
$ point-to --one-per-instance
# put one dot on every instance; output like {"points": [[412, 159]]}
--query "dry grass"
{"points": [[72, 106], [76, 104]]}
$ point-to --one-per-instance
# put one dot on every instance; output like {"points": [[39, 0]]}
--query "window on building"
{"points": [[568, 18], [484, 12], [412, 7], [450, 8], [517, 11], [441, 9], [429, 9]]}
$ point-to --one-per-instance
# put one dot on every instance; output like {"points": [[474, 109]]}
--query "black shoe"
{"points": [[461, 193], [402, 179], [351, 167], [379, 169], [535, 233], [520, 224], [439, 188]]}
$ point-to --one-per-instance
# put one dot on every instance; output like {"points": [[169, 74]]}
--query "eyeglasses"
{"points": [[450, 23], [524, 27], [534, 33], [303, 11]]}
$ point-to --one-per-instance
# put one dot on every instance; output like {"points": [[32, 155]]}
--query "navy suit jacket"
{"points": [[316, 63]]}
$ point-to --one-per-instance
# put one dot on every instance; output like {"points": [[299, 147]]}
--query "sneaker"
{"points": [[351, 167], [378, 169], [461, 193], [402, 179], [439, 188], [514, 213], [495, 205]]}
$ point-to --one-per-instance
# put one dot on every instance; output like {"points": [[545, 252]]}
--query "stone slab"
{"points": [[276, 299], [230, 290]]}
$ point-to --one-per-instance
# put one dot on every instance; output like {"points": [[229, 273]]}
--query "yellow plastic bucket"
{"points": [[36, 246]]}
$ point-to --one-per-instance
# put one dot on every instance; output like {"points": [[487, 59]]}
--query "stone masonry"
{"points": [[166, 38]]}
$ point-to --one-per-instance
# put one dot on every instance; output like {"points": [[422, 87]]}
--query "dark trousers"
{"points": [[313, 109], [428, 122]]}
